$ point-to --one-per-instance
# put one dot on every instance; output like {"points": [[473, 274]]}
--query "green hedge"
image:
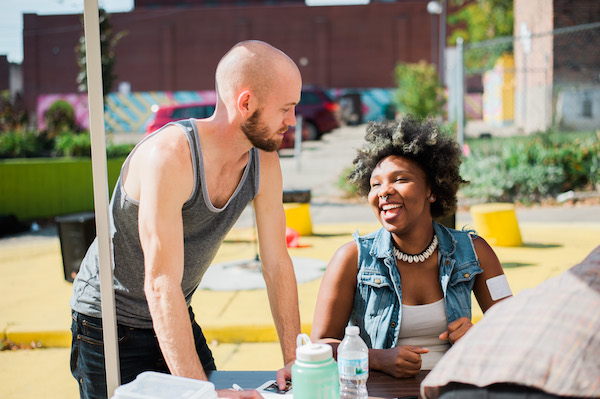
{"points": [[532, 168], [40, 188]]}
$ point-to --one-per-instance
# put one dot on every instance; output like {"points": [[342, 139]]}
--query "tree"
{"points": [[419, 89], [108, 42], [479, 20], [13, 115]]}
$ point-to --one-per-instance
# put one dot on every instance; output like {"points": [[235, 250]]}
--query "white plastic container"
{"points": [[153, 385], [353, 364]]}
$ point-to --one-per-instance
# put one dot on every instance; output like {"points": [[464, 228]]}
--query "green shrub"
{"points": [[59, 118], [73, 145], [79, 145], [19, 144], [419, 90], [348, 189], [529, 169], [118, 150]]}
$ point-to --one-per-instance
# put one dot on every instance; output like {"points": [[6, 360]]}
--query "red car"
{"points": [[320, 114], [169, 113]]}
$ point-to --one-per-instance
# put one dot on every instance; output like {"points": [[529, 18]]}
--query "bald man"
{"points": [[180, 191]]}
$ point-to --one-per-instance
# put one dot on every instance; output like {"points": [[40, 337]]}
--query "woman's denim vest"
{"points": [[378, 298]]}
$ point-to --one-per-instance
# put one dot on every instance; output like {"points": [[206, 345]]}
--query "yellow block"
{"points": [[497, 223], [48, 339], [297, 216]]}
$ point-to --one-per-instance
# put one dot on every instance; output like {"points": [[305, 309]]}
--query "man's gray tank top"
{"points": [[204, 228]]}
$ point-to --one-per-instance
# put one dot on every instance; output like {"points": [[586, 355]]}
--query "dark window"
{"points": [[587, 107], [202, 111]]}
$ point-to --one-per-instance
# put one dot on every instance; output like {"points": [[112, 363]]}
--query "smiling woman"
{"points": [[407, 285]]}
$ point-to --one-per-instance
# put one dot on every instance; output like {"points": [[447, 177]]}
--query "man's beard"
{"points": [[258, 133]]}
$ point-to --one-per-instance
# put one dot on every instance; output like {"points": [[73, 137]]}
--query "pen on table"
{"points": [[236, 387]]}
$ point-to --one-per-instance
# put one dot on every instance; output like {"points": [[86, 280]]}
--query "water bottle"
{"points": [[353, 365], [314, 373]]}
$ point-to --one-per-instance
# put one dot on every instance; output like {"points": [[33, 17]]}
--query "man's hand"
{"points": [[283, 375], [230, 393], [400, 362], [456, 330]]}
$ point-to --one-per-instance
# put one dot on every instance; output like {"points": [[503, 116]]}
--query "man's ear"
{"points": [[245, 103]]}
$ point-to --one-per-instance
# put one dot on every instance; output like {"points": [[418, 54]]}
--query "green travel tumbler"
{"points": [[314, 373]]}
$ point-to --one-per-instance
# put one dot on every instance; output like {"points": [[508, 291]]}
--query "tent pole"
{"points": [[101, 199]]}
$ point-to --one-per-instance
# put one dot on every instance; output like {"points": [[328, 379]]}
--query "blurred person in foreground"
{"points": [[179, 193], [407, 285], [542, 343]]}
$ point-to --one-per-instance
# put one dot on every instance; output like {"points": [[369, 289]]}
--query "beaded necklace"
{"points": [[419, 257]]}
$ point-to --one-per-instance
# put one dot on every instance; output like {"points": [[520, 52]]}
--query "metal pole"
{"points": [[442, 43], [100, 180], [298, 143], [433, 34], [524, 115], [460, 93]]}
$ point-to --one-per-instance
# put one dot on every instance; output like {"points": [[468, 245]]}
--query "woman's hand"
{"points": [[456, 330], [400, 362]]}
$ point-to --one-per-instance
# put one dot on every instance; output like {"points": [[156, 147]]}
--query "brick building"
{"points": [[175, 45]]}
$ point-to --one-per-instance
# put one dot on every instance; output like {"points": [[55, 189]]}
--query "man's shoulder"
{"points": [[169, 142]]}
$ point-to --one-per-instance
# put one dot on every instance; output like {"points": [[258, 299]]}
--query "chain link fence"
{"points": [[526, 83]]}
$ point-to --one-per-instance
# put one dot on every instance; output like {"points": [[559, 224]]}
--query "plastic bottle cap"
{"points": [[352, 330], [314, 352]]}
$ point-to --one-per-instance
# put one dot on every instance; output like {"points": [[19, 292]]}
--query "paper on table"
{"points": [[269, 390]]}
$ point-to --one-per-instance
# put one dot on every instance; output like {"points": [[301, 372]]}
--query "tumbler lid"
{"points": [[314, 352]]}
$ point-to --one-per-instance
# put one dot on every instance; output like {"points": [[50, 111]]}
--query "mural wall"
{"points": [[130, 113]]}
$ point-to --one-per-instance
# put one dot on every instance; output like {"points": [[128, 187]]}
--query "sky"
{"points": [[11, 19]]}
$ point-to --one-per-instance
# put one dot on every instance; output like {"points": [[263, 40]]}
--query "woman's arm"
{"points": [[336, 295], [491, 268]]}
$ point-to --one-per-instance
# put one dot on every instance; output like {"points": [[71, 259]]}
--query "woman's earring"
{"points": [[431, 198]]}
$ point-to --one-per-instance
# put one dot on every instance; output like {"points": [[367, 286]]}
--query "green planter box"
{"points": [[39, 188]]}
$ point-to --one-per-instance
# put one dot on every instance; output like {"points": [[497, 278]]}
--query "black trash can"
{"points": [[301, 196], [76, 232]]}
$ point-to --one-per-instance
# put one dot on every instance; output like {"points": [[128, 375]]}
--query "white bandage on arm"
{"points": [[498, 287]]}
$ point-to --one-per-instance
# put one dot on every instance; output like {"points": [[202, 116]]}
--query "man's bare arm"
{"points": [[165, 177], [278, 270]]}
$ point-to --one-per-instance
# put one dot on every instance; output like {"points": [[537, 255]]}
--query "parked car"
{"points": [[169, 113], [320, 114]]}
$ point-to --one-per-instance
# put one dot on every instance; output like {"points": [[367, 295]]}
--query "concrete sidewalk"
{"points": [[238, 323]]}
